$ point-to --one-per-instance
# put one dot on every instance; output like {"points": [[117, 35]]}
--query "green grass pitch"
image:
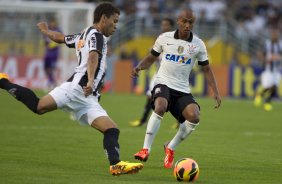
{"points": [[237, 144]]}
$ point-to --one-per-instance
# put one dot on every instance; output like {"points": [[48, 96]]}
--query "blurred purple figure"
{"points": [[52, 52]]}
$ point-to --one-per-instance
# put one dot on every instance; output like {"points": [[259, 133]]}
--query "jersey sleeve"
{"points": [[202, 55], [71, 39], [158, 46], [96, 42]]}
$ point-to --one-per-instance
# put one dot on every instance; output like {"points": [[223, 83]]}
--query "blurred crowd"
{"points": [[253, 14], [251, 19]]}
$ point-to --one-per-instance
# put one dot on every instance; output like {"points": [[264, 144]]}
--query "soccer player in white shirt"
{"points": [[79, 95], [180, 50]]}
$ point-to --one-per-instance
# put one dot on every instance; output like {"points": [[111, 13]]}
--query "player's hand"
{"points": [[88, 89], [42, 26], [135, 72], [217, 100]]}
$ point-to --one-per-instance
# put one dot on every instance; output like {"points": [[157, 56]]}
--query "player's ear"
{"points": [[103, 18]]}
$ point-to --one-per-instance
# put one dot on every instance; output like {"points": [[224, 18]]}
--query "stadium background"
{"points": [[233, 31], [236, 144]]}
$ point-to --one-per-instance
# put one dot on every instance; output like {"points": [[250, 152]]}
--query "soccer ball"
{"points": [[186, 169]]}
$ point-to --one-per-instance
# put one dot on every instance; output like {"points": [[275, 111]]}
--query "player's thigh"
{"points": [[160, 98], [267, 79], [92, 113], [103, 123], [192, 113], [46, 104], [185, 108]]}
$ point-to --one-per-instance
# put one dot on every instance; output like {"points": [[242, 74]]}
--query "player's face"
{"points": [[110, 24], [185, 22], [165, 26]]}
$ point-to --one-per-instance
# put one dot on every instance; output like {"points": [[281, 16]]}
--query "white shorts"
{"points": [[72, 99], [152, 84], [270, 78]]}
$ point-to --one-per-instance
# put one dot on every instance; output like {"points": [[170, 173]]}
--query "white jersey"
{"points": [[89, 40], [178, 59]]}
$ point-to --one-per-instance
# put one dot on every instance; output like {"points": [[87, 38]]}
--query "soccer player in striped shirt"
{"points": [[271, 76], [79, 94]]}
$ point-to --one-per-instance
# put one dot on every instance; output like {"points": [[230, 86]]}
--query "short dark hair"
{"points": [[105, 8], [169, 20]]}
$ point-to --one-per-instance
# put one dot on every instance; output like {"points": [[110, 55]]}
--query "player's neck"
{"points": [[97, 27], [184, 36]]}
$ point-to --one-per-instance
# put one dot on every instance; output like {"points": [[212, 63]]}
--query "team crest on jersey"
{"points": [[180, 49], [80, 44], [157, 90], [192, 49]]}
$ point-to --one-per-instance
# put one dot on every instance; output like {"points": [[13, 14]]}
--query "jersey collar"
{"points": [[188, 40]]}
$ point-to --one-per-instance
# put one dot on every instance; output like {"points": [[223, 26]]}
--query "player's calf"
{"points": [[25, 95]]}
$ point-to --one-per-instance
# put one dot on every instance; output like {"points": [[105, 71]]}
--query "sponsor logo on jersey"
{"points": [[80, 44], [178, 59]]}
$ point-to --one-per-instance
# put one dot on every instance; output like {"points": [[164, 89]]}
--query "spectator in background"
{"points": [[270, 77], [52, 52], [166, 25]]}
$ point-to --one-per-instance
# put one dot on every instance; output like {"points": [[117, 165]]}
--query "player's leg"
{"points": [[161, 100], [266, 82], [143, 119], [49, 68], [97, 117], [111, 147], [267, 105], [147, 109], [276, 77], [28, 97], [187, 111]]}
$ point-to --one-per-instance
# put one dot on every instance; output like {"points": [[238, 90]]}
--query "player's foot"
{"points": [[169, 157], [142, 155], [175, 125], [4, 76], [125, 168], [257, 101], [136, 123], [267, 107]]}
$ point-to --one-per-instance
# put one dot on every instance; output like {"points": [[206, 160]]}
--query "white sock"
{"points": [[152, 129], [185, 129]]}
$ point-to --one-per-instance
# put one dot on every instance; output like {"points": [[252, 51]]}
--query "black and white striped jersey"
{"points": [[89, 40], [271, 48]]}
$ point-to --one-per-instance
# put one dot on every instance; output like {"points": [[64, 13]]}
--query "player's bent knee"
{"points": [[193, 117], [160, 110], [42, 109]]}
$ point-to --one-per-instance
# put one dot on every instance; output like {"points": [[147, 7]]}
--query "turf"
{"points": [[236, 144]]}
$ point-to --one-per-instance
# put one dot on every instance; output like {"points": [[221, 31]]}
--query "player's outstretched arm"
{"points": [[53, 35], [143, 64], [212, 83]]}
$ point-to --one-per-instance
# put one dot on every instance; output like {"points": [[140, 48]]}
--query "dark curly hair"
{"points": [[105, 8]]}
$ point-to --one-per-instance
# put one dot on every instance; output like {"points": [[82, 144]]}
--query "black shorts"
{"points": [[177, 100]]}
